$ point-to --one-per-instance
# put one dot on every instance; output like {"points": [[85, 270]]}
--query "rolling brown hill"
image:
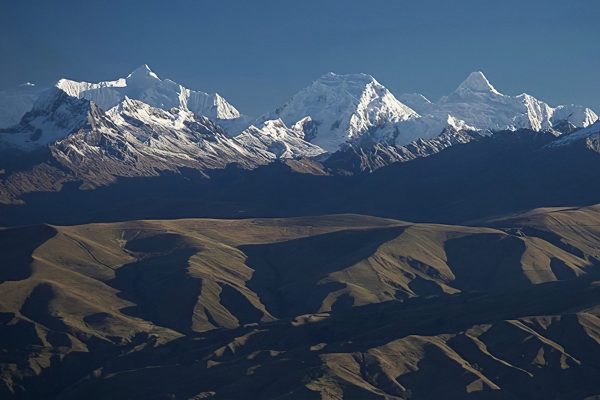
{"points": [[341, 306]]}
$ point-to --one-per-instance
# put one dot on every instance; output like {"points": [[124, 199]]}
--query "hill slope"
{"points": [[345, 305]]}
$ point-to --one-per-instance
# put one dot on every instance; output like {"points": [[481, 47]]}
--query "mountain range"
{"points": [[142, 126], [333, 110]]}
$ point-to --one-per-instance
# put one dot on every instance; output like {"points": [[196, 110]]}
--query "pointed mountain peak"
{"points": [[275, 123], [129, 103], [477, 82], [142, 71]]}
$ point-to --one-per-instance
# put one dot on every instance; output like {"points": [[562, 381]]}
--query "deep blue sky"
{"points": [[257, 53]]}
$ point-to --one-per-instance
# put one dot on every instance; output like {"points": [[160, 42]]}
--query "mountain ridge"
{"points": [[371, 129], [359, 106], [143, 84]]}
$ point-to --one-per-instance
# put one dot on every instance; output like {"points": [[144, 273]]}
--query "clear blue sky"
{"points": [[257, 53]]}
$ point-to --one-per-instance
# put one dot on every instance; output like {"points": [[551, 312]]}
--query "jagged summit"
{"points": [[333, 110], [142, 72], [477, 82], [145, 85], [356, 83], [143, 69], [142, 124], [342, 107], [480, 105], [274, 140], [54, 115]]}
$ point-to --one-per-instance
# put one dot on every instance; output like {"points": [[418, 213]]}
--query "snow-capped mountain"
{"points": [[339, 109], [479, 104], [342, 108], [14, 103], [136, 139], [143, 84], [332, 111], [54, 115], [591, 135], [275, 140], [426, 126], [353, 159], [141, 125]]}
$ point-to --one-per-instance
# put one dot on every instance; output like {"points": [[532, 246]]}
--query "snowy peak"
{"points": [[577, 115], [480, 105], [477, 82], [274, 125], [145, 85], [54, 115], [141, 120], [136, 109], [333, 110], [142, 72], [342, 108], [143, 78], [274, 140]]}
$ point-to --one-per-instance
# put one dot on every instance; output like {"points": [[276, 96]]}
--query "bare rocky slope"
{"points": [[490, 176]]}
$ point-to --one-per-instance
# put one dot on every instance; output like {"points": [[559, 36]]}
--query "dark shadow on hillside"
{"points": [[17, 246], [182, 370], [159, 284], [288, 275], [486, 262], [239, 306]]}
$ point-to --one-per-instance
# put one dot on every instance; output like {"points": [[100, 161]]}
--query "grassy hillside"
{"points": [[335, 306]]}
